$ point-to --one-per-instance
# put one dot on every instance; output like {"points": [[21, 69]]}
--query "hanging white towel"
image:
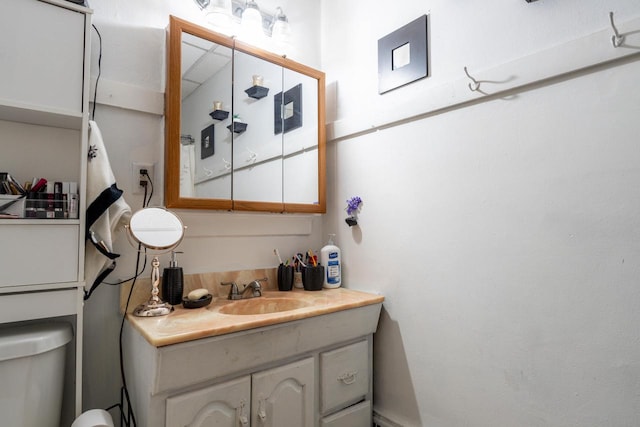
{"points": [[187, 161], [107, 211]]}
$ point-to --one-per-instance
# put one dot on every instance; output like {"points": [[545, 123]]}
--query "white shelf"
{"points": [[27, 221], [16, 112]]}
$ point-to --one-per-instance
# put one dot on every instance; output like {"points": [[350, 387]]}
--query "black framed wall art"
{"points": [[287, 110], [403, 56], [207, 142]]}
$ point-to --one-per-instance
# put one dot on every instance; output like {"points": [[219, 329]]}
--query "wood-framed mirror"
{"points": [[244, 128]]}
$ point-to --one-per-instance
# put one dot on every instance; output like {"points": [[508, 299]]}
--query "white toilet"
{"points": [[32, 359]]}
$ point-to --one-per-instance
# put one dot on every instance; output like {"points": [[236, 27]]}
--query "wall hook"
{"points": [[227, 164], [475, 85], [207, 172], [616, 38], [252, 155]]}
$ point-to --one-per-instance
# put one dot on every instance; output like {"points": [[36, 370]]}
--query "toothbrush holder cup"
{"points": [[313, 278], [285, 277]]}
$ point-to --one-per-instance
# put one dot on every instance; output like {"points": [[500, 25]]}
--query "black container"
{"points": [[285, 277], [313, 278], [172, 285]]}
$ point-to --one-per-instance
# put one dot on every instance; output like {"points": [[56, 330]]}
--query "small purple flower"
{"points": [[353, 204]]}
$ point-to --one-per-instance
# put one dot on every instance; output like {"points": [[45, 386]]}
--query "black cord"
{"points": [[135, 276], [95, 92], [124, 316], [137, 269]]}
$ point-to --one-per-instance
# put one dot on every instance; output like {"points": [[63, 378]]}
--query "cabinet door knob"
{"points": [[262, 414], [244, 421], [348, 377]]}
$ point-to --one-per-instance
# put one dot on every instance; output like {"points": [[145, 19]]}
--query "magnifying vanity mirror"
{"points": [[160, 231], [244, 127]]}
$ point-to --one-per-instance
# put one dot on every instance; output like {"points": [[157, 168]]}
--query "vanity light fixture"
{"points": [[246, 17]]}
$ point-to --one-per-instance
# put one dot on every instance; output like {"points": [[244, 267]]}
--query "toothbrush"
{"points": [[299, 256], [275, 251], [314, 259]]}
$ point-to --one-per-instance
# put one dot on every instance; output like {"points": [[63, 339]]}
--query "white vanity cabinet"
{"points": [[44, 91], [309, 372]]}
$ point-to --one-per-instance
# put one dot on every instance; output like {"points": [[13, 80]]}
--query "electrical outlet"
{"points": [[138, 177]]}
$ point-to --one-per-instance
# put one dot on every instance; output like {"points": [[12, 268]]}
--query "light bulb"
{"points": [[281, 31], [251, 26], [218, 14]]}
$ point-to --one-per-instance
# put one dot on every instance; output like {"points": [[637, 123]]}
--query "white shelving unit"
{"points": [[44, 103]]}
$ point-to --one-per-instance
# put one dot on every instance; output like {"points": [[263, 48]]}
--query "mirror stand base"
{"points": [[153, 309]]}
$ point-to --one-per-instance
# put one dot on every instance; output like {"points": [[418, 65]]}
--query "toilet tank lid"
{"points": [[29, 340]]}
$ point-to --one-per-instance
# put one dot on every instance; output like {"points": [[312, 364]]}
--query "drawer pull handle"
{"points": [[348, 377]]}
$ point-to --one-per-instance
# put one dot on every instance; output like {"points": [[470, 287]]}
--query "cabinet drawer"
{"points": [[32, 71], [354, 416], [344, 376], [40, 253]]}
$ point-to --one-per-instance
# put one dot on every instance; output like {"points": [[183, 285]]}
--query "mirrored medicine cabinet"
{"points": [[244, 127]]}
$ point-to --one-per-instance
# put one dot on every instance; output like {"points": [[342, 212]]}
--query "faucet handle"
{"points": [[233, 291]]}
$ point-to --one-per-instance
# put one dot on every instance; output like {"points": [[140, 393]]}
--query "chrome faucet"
{"points": [[255, 287]]}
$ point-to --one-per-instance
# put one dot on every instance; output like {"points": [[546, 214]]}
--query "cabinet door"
{"points": [[222, 405], [284, 396], [42, 55]]}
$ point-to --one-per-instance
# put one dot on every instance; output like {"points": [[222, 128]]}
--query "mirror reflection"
{"points": [[205, 154], [245, 128]]}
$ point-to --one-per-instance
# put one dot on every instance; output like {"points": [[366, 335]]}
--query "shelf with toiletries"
{"points": [[44, 132]]}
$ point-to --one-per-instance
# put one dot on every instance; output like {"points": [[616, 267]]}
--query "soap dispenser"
{"points": [[331, 260], [172, 281]]}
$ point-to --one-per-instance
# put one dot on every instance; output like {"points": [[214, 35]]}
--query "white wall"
{"points": [[503, 234], [132, 76]]}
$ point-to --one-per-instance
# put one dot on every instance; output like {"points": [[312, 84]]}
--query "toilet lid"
{"points": [[29, 340], [94, 418]]}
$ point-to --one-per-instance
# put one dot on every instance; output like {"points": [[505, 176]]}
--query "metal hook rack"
{"points": [[474, 85], [616, 39]]}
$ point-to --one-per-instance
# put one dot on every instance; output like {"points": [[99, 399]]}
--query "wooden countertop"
{"points": [[184, 325]]}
